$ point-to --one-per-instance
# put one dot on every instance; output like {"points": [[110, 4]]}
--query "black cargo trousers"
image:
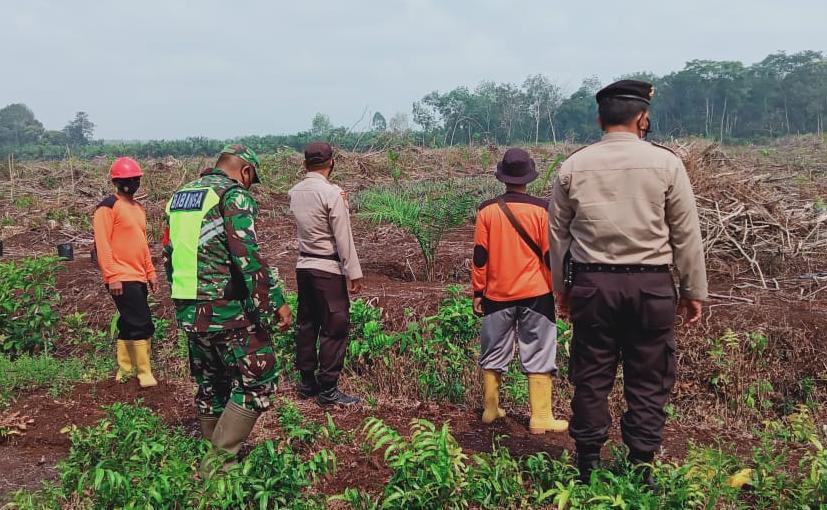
{"points": [[323, 316], [628, 318]]}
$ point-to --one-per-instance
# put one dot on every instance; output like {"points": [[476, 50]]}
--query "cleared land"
{"points": [[758, 355]]}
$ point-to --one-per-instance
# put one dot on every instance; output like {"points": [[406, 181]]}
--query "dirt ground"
{"points": [[390, 261]]}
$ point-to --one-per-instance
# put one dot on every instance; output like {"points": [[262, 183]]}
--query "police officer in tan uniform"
{"points": [[622, 216], [327, 269]]}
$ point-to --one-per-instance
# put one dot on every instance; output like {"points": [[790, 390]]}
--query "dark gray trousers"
{"points": [[626, 318]]}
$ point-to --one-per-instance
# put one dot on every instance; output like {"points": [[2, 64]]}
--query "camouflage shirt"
{"points": [[236, 287]]}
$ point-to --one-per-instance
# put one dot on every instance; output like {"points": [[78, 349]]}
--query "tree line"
{"points": [[724, 100]]}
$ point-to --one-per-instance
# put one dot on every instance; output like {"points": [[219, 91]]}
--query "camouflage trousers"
{"points": [[236, 364]]}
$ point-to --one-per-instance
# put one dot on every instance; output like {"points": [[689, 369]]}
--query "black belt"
{"points": [[334, 256], [612, 268]]}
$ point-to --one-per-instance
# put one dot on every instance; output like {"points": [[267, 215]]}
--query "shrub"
{"points": [[131, 459], [445, 348], [368, 339], [28, 299]]}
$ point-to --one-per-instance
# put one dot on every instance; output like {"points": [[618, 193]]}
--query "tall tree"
{"points": [[79, 131], [399, 123], [378, 123], [321, 125], [544, 97], [18, 126]]}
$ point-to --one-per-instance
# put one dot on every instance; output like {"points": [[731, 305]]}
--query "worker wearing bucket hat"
{"points": [[512, 291]]}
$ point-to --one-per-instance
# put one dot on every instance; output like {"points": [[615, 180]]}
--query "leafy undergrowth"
{"points": [[44, 371], [132, 460]]}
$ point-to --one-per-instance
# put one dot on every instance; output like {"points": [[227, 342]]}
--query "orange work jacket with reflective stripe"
{"points": [[504, 267]]}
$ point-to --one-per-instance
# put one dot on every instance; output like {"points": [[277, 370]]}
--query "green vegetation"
{"points": [[44, 371], [444, 348], [430, 470], [132, 460], [28, 300], [425, 210]]}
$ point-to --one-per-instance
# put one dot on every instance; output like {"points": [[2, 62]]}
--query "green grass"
{"points": [[27, 373]]}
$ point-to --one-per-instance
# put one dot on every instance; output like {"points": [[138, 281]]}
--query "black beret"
{"points": [[318, 153], [635, 90]]}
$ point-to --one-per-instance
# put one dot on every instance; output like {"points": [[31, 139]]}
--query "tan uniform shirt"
{"points": [[626, 201], [323, 217]]}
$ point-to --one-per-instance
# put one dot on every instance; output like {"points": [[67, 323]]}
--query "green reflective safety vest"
{"points": [[200, 257]]}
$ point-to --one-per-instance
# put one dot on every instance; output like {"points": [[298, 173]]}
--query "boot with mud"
{"points": [[207, 424], [539, 398], [231, 430], [491, 380], [126, 366], [141, 353]]}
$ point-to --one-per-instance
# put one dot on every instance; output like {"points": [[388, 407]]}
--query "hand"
{"points": [[116, 288], [478, 306], [562, 304], [153, 285], [285, 317], [691, 310], [354, 286]]}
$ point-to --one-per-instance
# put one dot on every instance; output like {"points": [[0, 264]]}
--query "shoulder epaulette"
{"points": [[665, 148], [108, 202]]}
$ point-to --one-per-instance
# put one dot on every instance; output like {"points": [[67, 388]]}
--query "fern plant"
{"points": [[430, 470]]}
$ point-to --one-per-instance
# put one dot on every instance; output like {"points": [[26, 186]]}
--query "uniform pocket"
{"points": [[670, 370], [657, 309], [582, 305]]}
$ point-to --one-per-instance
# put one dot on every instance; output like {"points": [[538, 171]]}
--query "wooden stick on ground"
{"points": [[731, 298]]}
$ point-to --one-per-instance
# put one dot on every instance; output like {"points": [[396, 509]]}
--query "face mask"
{"points": [[128, 186]]}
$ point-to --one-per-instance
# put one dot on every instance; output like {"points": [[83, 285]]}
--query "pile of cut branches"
{"points": [[753, 217]]}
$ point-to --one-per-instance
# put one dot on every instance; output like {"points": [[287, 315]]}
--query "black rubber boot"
{"points": [[588, 459], [334, 397], [641, 463], [308, 387]]}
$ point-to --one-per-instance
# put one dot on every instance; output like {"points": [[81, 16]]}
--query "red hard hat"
{"points": [[124, 168]]}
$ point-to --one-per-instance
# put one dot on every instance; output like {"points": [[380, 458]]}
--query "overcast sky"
{"points": [[167, 69]]}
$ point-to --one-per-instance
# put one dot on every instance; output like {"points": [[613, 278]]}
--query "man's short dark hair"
{"points": [[618, 111]]}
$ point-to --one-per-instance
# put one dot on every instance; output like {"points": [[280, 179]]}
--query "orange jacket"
{"points": [[120, 241], [504, 267]]}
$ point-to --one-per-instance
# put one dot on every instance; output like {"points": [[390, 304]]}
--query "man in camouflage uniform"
{"points": [[226, 297]]}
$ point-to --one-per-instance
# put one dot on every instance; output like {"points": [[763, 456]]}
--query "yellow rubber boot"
{"points": [[126, 368], [491, 380], [141, 350], [539, 398]]}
